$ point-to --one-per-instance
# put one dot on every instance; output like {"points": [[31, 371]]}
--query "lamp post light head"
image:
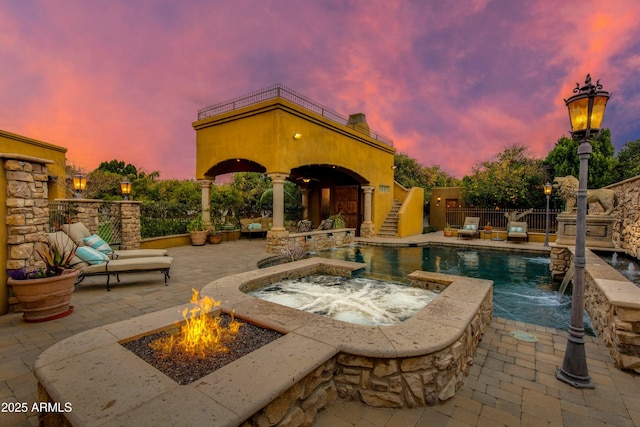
{"points": [[79, 185], [548, 189], [125, 188], [586, 108]]}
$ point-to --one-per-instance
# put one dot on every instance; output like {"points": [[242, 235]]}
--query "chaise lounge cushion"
{"points": [[129, 265], [62, 243], [78, 232]]}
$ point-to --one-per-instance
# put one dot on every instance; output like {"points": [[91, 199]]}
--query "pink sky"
{"points": [[451, 82]]}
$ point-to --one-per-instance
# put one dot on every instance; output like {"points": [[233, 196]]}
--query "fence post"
{"points": [[130, 222]]}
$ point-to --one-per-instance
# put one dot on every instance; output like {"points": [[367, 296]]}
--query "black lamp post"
{"points": [[586, 111], [548, 188]]}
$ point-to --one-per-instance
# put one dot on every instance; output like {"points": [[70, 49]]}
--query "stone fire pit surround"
{"points": [[420, 361]]}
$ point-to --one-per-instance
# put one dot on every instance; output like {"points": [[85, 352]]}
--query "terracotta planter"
{"points": [[215, 238], [47, 298], [448, 233], [199, 238]]}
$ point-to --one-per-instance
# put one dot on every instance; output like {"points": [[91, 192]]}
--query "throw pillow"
{"points": [[97, 243], [90, 255], [516, 230], [470, 227]]}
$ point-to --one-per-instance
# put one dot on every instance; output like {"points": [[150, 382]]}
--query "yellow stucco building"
{"points": [[340, 164]]}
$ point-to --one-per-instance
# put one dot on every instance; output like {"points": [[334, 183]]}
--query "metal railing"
{"points": [[536, 220], [109, 219], [280, 91]]}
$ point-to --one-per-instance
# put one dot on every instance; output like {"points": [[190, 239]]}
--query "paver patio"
{"points": [[511, 382]]}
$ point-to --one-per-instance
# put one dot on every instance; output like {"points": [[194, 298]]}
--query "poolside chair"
{"points": [[471, 228], [517, 231]]}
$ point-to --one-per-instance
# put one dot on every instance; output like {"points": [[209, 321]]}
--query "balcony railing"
{"points": [[536, 220], [280, 91]]}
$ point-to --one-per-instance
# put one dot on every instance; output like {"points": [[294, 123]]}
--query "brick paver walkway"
{"points": [[510, 383]]}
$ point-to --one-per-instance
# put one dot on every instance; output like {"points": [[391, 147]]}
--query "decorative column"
{"points": [[130, 223], [278, 236], [305, 203], [367, 227], [205, 187]]}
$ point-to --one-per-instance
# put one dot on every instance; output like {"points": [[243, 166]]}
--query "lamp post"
{"points": [[548, 188], [125, 188], [586, 111], [79, 185]]}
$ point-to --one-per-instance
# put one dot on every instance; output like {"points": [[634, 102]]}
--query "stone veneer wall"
{"points": [[310, 241], [618, 321], [626, 232], [299, 405], [27, 210]]}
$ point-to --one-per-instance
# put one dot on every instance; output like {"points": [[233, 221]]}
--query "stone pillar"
{"points": [[305, 203], [278, 200], [367, 227], [130, 223], [26, 214], [205, 186], [278, 236]]}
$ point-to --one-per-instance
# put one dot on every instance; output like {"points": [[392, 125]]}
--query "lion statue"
{"points": [[567, 187]]}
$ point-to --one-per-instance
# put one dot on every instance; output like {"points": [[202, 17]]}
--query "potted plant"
{"points": [[488, 227], [447, 231], [45, 292], [215, 237], [198, 231]]}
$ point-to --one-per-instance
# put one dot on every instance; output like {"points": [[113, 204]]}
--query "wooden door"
{"points": [[346, 203]]}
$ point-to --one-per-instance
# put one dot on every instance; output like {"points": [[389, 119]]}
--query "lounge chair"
{"points": [[81, 236], [470, 229], [92, 262], [517, 231]]}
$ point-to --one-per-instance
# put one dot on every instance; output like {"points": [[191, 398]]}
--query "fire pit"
{"points": [[201, 344], [420, 361]]}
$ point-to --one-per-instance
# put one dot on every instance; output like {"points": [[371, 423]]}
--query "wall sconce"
{"points": [[394, 167], [125, 188], [306, 180], [438, 200], [79, 185], [297, 135]]}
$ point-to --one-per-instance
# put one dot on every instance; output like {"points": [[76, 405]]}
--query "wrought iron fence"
{"points": [[536, 220], [280, 91], [109, 219]]}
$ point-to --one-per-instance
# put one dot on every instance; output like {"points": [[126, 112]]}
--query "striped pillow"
{"points": [[97, 243], [90, 255]]}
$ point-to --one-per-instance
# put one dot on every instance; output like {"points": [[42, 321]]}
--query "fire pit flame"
{"points": [[201, 334]]}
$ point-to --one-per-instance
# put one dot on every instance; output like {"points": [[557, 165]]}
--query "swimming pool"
{"points": [[522, 286]]}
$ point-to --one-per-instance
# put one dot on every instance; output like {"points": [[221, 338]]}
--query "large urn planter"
{"points": [[45, 298], [199, 238]]}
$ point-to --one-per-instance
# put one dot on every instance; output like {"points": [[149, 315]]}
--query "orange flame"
{"points": [[200, 335]]}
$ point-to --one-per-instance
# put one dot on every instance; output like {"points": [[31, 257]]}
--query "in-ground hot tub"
{"points": [[417, 362]]}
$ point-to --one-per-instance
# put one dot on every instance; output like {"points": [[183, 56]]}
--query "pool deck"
{"points": [[510, 383]]}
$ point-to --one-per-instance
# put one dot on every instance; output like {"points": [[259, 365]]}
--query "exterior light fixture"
{"points": [[548, 189], [125, 188], [394, 167], [79, 185], [306, 180], [297, 135], [586, 111]]}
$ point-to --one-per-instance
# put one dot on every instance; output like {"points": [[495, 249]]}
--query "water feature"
{"points": [[626, 265], [358, 300], [522, 289]]}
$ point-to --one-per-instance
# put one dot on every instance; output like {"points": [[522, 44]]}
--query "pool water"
{"points": [[628, 266], [522, 286]]}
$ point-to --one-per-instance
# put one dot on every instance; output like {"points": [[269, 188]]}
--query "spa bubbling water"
{"points": [[355, 300]]}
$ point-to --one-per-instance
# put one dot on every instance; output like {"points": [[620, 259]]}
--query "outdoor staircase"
{"points": [[390, 225]]}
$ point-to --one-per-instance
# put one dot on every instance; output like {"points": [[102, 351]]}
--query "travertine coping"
{"points": [[107, 384]]}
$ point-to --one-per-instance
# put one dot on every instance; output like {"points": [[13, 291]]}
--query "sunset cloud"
{"points": [[452, 83]]}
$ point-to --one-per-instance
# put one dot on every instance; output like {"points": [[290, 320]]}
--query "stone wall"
{"points": [[627, 215], [280, 242], [27, 210], [612, 303], [299, 405]]}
